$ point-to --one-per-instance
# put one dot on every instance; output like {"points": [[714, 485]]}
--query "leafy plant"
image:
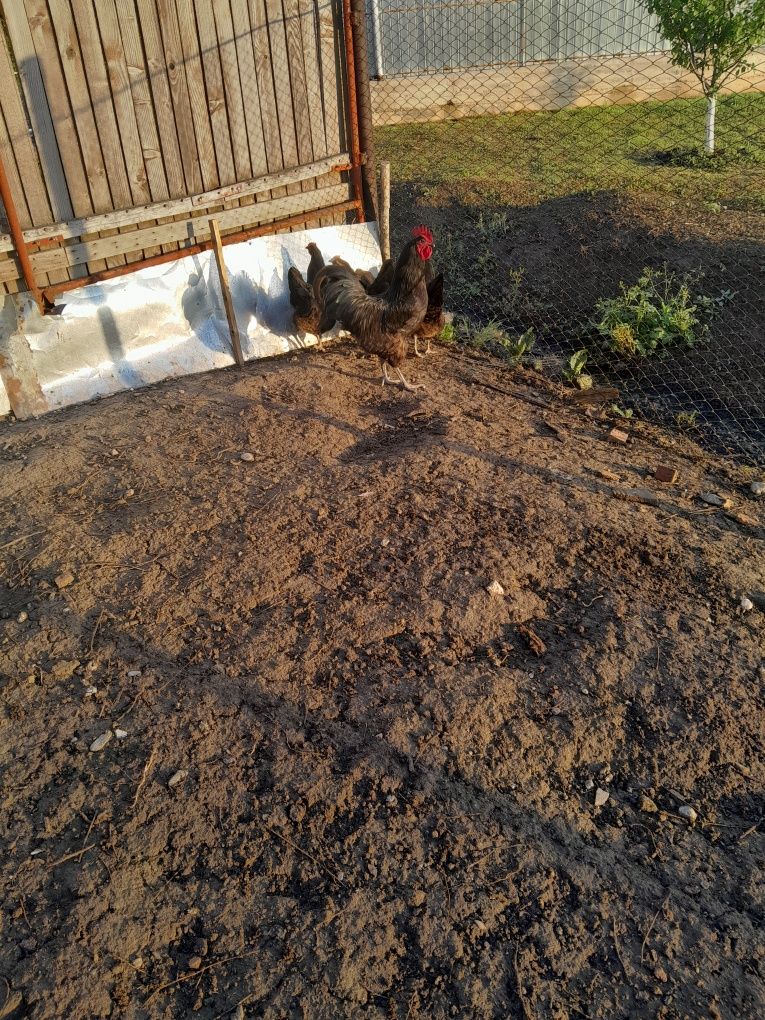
{"points": [[493, 338], [712, 39], [687, 419], [657, 312], [515, 351], [493, 224], [448, 334], [621, 412], [574, 371]]}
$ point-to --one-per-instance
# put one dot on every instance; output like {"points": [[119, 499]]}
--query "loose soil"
{"points": [[348, 781]]}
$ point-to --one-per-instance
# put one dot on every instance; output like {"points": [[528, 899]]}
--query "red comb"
{"points": [[423, 232]]}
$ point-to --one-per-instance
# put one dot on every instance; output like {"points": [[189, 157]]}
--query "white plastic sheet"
{"points": [[169, 320]]}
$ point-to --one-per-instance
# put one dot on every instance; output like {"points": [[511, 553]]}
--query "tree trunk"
{"points": [[709, 140]]}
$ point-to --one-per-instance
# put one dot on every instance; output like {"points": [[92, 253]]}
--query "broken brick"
{"points": [[618, 435], [665, 474]]}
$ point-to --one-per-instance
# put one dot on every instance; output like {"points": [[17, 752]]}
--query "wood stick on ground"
{"points": [[384, 223], [319, 864], [144, 775], [618, 949], [95, 632], [196, 973], [749, 831], [508, 393], [71, 856], [23, 538], [228, 302], [649, 929]]}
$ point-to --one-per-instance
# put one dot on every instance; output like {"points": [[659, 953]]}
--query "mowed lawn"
{"points": [[529, 157]]}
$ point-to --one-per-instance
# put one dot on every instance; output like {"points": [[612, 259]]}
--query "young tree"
{"points": [[712, 39]]}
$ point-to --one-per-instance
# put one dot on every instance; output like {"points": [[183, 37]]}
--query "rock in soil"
{"points": [[100, 742], [689, 813], [601, 796], [757, 488], [712, 499], [64, 579], [495, 588], [177, 777]]}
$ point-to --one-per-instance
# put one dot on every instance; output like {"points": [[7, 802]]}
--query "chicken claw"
{"points": [[417, 350], [411, 387]]}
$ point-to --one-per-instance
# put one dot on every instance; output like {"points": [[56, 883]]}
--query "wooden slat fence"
{"points": [[126, 124]]}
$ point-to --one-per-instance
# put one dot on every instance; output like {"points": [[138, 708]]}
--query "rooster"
{"points": [[306, 311], [434, 319], [381, 324]]}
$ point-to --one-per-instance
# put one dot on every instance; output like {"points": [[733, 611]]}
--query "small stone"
{"points": [[64, 579], [746, 604], [100, 742], [601, 796], [757, 488], [638, 495], [712, 499], [391, 801], [666, 474], [90, 691], [120, 734], [660, 974], [495, 588], [129, 493], [385, 542], [115, 453], [687, 812], [247, 457], [195, 962], [417, 898], [648, 805], [134, 672], [177, 777], [618, 436], [22, 617], [589, 785], [137, 962]]}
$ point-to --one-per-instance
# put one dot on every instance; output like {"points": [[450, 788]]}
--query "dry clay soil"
{"points": [[338, 777]]}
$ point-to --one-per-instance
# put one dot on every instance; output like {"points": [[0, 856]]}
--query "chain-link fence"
{"points": [[558, 155]]}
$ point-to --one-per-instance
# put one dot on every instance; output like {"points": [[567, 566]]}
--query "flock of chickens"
{"points": [[382, 313]]}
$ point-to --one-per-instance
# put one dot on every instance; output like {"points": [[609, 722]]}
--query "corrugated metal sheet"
{"points": [[415, 36]]}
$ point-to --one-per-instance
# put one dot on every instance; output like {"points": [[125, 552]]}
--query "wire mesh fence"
{"points": [[561, 159]]}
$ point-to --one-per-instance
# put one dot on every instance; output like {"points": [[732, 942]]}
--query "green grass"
{"points": [[529, 157]]}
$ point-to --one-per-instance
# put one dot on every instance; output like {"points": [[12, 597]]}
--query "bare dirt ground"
{"points": [[343, 780]]}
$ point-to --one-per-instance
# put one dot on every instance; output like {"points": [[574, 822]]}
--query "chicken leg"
{"points": [[410, 387], [417, 350]]}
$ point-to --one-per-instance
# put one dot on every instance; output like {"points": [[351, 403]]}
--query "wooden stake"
{"points": [[385, 210], [225, 289]]}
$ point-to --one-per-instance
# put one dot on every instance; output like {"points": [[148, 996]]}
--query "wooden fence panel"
{"points": [[144, 117]]}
